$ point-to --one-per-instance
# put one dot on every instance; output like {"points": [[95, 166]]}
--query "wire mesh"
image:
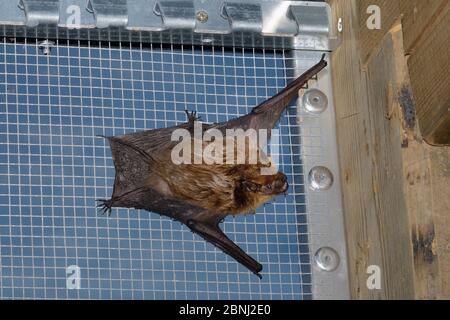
{"points": [[53, 167]]}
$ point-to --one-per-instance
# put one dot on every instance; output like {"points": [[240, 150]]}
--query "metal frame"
{"points": [[324, 205], [263, 24]]}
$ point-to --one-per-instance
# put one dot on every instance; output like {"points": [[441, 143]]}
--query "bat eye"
{"points": [[251, 186], [269, 186]]}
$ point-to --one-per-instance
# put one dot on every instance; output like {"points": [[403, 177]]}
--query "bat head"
{"points": [[270, 185]]}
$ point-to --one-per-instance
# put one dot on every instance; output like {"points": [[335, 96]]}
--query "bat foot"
{"points": [[192, 116], [105, 206]]}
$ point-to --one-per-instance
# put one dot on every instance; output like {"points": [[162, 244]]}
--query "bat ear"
{"points": [[250, 186]]}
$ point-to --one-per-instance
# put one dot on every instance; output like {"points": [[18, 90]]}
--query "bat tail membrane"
{"points": [[212, 233], [132, 166], [272, 108]]}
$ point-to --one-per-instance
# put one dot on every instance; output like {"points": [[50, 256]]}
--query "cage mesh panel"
{"points": [[53, 167]]}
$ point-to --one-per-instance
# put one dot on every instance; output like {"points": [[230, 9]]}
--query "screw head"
{"points": [[315, 101], [327, 259], [202, 16], [46, 46], [320, 178]]}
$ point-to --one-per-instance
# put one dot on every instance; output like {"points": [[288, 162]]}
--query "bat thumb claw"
{"points": [[192, 116]]}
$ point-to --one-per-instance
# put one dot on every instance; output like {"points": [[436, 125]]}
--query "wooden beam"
{"points": [[439, 164], [429, 67], [418, 17], [384, 86], [349, 95], [425, 24], [370, 160], [416, 178], [390, 11], [395, 186]]}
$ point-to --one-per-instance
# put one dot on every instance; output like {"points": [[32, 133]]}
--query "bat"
{"points": [[199, 195]]}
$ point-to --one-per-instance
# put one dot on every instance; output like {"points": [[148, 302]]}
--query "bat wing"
{"points": [[131, 190], [267, 113]]}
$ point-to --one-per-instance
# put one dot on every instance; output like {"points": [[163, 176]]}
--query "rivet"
{"points": [[327, 259], [320, 178], [315, 101]]}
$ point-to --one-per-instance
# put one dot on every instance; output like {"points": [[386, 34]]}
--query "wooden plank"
{"points": [[371, 38], [416, 181], [387, 172], [375, 211], [418, 18], [357, 200], [393, 151], [439, 161], [425, 24], [429, 67]]}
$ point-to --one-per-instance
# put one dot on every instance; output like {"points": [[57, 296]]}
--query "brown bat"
{"points": [[199, 195]]}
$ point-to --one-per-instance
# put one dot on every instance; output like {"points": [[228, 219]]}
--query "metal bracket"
{"points": [[244, 16], [176, 14], [108, 13], [217, 22], [40, 12], [314, 27], [311, 19], [141, 16]]}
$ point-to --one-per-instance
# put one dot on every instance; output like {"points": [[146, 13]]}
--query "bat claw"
{"points": [[105, 206], [192, 116]]}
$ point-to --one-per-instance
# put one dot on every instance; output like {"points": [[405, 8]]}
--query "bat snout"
{"points": [[278, 184]]}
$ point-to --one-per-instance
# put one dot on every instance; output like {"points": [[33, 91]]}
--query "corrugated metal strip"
{"points": [[305, 24]]}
